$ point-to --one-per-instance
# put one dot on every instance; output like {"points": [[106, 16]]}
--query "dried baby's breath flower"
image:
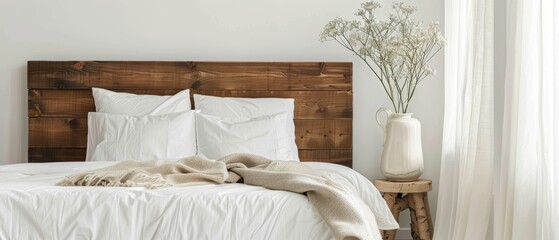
{"points": [[370, 6], [397, 49]]}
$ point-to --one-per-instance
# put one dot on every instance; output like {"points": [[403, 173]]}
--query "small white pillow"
{"points": [[265, 136], [244, 108], [139, 105], [113, 137]]}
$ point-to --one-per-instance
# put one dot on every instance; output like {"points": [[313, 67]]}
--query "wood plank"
{"points": [[57, 132], [72, 133], [342, 157], [417, 186], [41, 154], [61, 74], [324, 134], [308, 104], [77, 103], [70, 103], [299, 76]]}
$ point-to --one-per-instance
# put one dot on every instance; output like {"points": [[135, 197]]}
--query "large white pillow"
{"points": [[113, 137], [244, 108], [139, 105], [265, 136]]}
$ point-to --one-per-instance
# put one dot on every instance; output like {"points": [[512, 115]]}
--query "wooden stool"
{"points": [[413, 195]]}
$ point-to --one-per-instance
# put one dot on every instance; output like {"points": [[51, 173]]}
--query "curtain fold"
{"points": [[527, 201], [465, 188]]}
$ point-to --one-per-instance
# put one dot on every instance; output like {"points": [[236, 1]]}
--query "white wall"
{"points": [[202, 30]]}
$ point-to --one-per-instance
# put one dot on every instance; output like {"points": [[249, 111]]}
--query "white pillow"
{"points": [[113, 137], [139, 105], [265, 136], [243, 108]]}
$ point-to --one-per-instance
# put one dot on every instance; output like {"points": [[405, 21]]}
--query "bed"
{"points": [[60, 99]]}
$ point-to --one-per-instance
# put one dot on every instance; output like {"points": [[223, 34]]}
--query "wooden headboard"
{"points": [[60, 97]]}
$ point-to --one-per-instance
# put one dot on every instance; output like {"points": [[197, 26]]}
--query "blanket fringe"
{"points": [[132, 179]]}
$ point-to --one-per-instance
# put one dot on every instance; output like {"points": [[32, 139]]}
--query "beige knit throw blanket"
{"points": [[346, 214]]}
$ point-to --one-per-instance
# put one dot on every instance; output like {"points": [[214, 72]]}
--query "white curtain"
{"points": [[527, 201], [465, 185]]}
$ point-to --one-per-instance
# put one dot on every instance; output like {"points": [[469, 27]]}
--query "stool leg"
{"points": [[390, 199], [413, 222], [421, 219], [428, 210]]}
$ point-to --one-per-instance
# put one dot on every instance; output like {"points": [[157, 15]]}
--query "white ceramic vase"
{"points": [[402, 155]]}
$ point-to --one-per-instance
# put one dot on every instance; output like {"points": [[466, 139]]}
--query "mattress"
{"points": [[32, 207]]}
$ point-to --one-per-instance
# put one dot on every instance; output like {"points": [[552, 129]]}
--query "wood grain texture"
{"points": [[72, 133], [46, 154], [408, 195], [339, 156], [420, 219], [57, 132], [428, 212], [323, 133], [418, 186], [77, 103], [313, 76], [391, 200], [413, 219], [59, 99]]}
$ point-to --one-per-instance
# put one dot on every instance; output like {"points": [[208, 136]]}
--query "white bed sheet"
{"points": [[31, 207]]}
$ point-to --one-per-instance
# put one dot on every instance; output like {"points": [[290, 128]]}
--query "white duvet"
{"points": [[31, 207]]}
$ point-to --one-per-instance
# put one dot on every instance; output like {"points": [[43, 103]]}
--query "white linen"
{"points": [[244, 108], [265, 136], [113, 137], [465, 186], [527, 203], [107, 101], [33, 208]]}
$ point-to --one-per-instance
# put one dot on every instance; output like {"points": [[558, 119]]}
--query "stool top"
{"points": [[417, 186]]}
